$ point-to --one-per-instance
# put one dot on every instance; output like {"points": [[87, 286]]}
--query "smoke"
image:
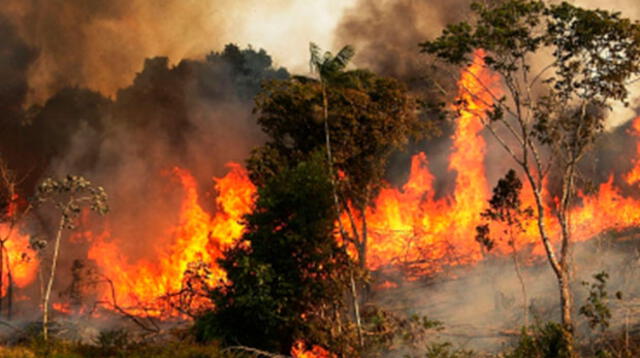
{"points": [[386, 34], [15, 58], [196, 115], [482, 307], [101, 45]]}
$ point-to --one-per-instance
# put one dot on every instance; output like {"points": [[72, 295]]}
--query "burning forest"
{"points": [[466, 187]]}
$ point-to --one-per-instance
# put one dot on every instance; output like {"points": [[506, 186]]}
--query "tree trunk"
{"points": [[364, 238], [560, 268], [327, 137], [566, 306], [523, 286], [47, 293], [2, 295]]}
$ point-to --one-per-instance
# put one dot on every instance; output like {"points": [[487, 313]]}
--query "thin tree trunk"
{"points": [[356, 309], [567, 322], [354, 291], [523, 287], [2, 293], [47, 293], [559, 268], [9, 283], [9, 293], [364, 239]]}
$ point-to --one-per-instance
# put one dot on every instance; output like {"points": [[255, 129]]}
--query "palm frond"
{"points": [[344, 56], [315, 61]]}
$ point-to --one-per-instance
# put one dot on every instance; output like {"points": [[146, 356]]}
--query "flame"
{"points": [[64, 308], [299, 350], [199, 238], [19, 258], [634, 175], [20, 265], [408, 226]]}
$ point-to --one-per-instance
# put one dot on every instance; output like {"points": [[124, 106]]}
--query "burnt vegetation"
{"points": [[319, 150]]}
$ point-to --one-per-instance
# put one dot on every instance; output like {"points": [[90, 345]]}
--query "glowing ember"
{"points": [[62, 307], [299, 350]]}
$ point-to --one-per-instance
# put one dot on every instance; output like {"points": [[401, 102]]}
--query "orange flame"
{"points": [[198, 238], [299, 350], [20, 265], [409, 226]]}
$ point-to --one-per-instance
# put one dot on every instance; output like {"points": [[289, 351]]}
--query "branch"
{"points": [[122, 311], [256, 352]]}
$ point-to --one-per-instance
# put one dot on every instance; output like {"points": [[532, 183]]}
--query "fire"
{"points": [[408, 226], [299, 350], [20, 260], [634, 175], [198, 241], [19, 265]]}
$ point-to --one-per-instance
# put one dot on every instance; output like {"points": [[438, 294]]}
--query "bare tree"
{"points": [[69, 196]]}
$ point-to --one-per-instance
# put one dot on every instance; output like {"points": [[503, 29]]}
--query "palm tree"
{"points": [[330, 70]]}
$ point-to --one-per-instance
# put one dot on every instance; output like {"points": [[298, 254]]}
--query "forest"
{"points": [[442, 180]]}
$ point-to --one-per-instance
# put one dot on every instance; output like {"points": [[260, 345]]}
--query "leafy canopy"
{"points": [[368, 118], [590, 57], [285, 270]]}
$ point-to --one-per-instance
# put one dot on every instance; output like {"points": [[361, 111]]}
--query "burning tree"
{"points": [[357, 117], [10, 214], [68, 196], [562, 67]]}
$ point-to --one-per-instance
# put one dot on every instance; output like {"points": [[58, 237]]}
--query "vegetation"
{"points": [[505, 208], [368, 117], [287, 273], [69, 196], [295, 273], [550, 115]]}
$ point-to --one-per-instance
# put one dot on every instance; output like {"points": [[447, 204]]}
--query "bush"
{"points": [[546, 341]]}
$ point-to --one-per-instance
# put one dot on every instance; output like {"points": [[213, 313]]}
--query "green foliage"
{"points": [[111, 341], [446, 350], [596, 308], [368, 118], [287, 274], [548, 341], [328, 66], [505, 207], [594, 53]]}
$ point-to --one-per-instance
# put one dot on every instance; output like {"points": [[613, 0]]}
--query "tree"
{"points": [[550, 115], [286, 276], [68, 196], [505, 209], [369, 117]]}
